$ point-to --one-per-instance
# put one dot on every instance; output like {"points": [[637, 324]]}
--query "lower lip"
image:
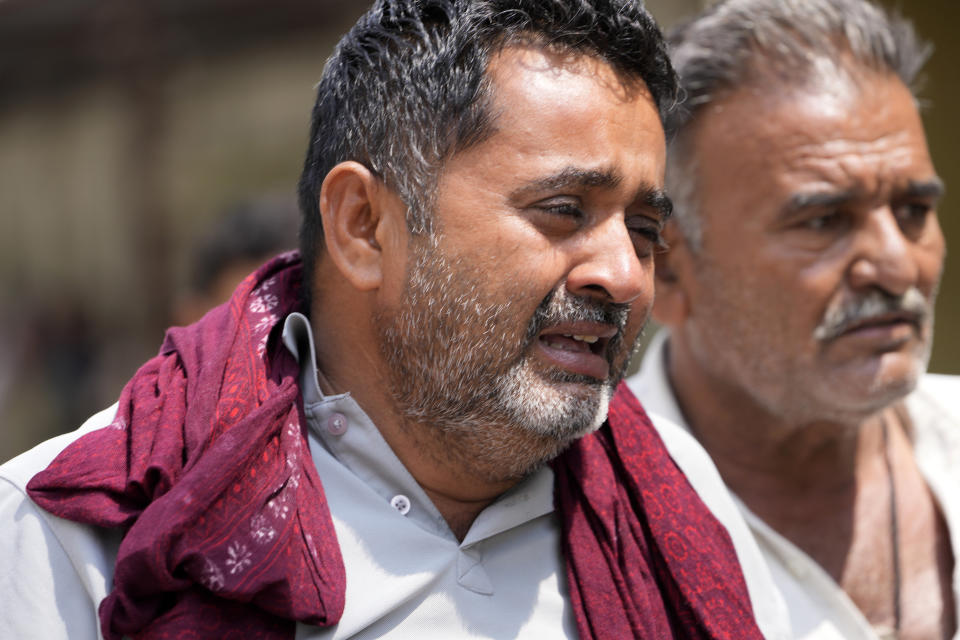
{"points": [[585, 363], [890, 335]]}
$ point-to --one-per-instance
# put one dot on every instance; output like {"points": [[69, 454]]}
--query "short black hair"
{"points": [[406, 87]]}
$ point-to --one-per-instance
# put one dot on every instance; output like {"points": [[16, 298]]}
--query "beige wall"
{"points": [[76, 188]]}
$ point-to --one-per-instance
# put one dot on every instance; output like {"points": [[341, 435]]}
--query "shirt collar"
{"points": [[652, 385], [346, 432]]}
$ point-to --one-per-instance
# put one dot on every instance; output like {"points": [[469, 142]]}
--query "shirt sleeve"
{"points": [[53, 572]]}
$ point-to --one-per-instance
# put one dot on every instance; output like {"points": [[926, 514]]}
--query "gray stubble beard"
{"points": [[463, 388]]}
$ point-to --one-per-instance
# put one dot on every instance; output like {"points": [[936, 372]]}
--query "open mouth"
{"points": [[577, 343], [580, 348]]}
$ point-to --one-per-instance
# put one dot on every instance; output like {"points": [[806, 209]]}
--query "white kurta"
{"points": [[407, 575], [818, 608]]}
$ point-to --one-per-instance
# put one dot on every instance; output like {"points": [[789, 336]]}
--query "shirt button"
{"points": [[401, 503], [337, 424]]}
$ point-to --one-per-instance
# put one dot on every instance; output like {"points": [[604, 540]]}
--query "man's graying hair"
{"points": [[406, 87], [769, 45]]}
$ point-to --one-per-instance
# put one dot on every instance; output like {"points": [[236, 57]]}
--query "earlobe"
{"points": [[351, 213], [671, 303]]}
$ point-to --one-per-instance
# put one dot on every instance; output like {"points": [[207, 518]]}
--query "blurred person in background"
{"points": [[798, 292], [415, 428], [57, 359], [240, 240]]}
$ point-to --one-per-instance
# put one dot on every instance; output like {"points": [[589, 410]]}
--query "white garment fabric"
{"points": [[407, 574], [818, 607]]}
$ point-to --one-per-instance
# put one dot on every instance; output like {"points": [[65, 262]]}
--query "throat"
{"points": [[462, 472], [458, 514]]}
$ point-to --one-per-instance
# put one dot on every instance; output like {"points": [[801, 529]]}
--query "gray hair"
{"points": [[749, 43]]}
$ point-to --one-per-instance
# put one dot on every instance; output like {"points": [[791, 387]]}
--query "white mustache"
{"points": [[852, 311]]}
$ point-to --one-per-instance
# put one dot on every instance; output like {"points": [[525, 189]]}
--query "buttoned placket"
{"points": [[347, 433]]}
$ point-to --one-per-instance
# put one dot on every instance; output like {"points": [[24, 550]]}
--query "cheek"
{"points": [[930, 259], [803, 296], [771, 301], [394, 286], [640, 313], [502, 242], [643, 305]]}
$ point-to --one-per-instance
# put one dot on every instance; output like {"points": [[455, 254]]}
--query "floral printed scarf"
{"points": [[207, 470]]}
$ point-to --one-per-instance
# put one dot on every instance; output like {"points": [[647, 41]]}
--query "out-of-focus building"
{"points": [[126, 128]]}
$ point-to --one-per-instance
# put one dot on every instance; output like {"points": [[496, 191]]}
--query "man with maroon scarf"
{"points": [[415, 429]]}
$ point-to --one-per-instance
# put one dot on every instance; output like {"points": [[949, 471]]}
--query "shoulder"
{"points": [[942, 389], [650, 383], [18, 471], [53, 573], [935, 404], [702, 475]]}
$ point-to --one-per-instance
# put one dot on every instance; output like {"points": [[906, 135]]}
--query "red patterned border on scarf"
{"points": [[206, 467]]}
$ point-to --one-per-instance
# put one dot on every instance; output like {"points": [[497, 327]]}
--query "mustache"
{"points": [[559, 306], [849, 312]]}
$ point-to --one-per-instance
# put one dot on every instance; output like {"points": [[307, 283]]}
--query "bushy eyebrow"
{"points": [[657, 199], [818, 200], [576, 178], [572, 178], [933, 189]]}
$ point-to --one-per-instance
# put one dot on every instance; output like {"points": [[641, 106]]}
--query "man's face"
{"points": [[522, 311], [813, 292]]}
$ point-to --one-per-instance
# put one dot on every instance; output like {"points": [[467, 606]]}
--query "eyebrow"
{"points": [[572, 177], [818, 200], [933, 188], [579, 178], [658, 200]]}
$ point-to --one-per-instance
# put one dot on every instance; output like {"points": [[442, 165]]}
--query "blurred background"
{"points": [[143, 143]]}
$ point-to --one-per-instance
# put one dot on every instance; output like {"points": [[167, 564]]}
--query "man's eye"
{"points": [[912, 217], [912, 212], [823, 222], [564, 209], [647, 238], [652, 234], [558, 216]]}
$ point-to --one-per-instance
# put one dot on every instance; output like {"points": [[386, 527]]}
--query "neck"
{"points": [[802, 478], [762, 452], [848, 493]]}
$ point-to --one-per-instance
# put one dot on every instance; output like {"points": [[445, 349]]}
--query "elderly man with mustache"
{"points": [[798, 291]]}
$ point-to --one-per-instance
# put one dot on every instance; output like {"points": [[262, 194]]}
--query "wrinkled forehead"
{"points": [[853, 132]]}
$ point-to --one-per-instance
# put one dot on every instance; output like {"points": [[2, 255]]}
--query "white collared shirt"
{"points": [[407, 574], [819, 609]]}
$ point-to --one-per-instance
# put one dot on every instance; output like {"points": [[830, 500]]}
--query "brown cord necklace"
{"points": [[894, 633]]}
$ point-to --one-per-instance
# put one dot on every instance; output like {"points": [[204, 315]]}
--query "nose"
{"points": [[885, 256], [607, 266]]}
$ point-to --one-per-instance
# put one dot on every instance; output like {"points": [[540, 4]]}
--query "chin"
{"points": [[857, 397], [563, 411], [888, 390]]}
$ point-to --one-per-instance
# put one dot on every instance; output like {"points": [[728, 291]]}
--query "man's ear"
{"points": [[352, 209], [672, 303]]}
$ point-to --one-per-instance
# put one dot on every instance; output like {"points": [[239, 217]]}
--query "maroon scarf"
{"points": [[206, 467]]}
